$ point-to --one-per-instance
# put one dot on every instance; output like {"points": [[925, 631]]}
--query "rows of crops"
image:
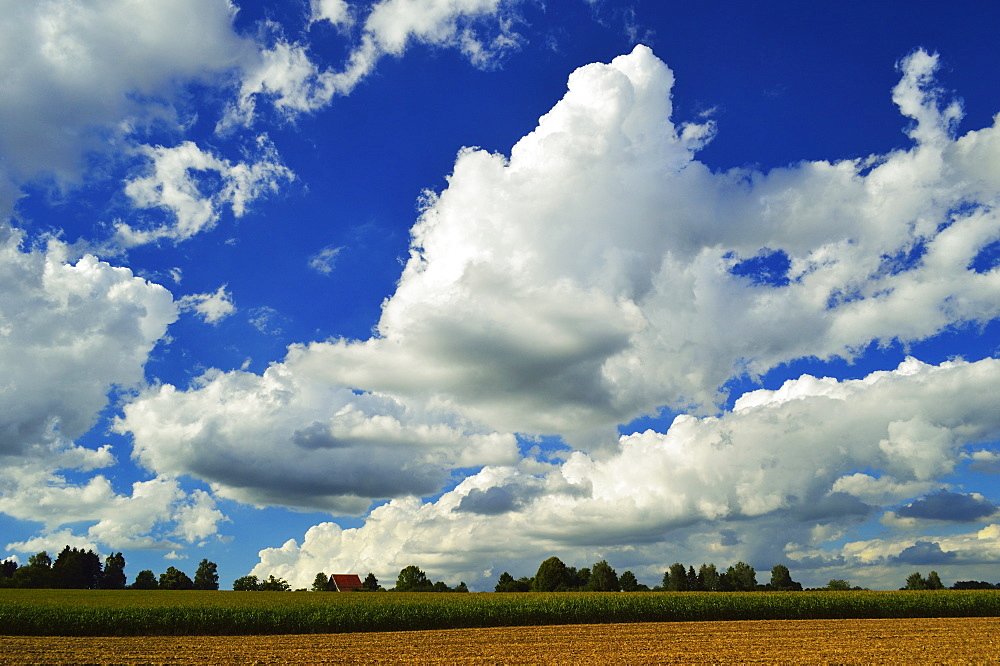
{"points": [[123, 613]]}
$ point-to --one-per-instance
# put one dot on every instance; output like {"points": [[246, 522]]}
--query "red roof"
{"points": [[346, 582]]}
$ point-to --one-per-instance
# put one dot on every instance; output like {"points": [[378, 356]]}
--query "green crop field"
{"points": [[139, 613]]}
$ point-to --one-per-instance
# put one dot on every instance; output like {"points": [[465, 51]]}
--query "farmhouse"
{"points": [[345, 582]]}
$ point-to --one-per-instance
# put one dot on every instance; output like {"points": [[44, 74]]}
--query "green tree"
{"points": [[246, 584], [113, 576], [441, 586], [413, 579], [7, 569], [603, 578], [207, 576], [934, 581], [675, 580], [708, 578], [175, 579], [76, 569], [838, 585], [36, 574], [321, 583], [915, 582], [41, 559], [628, 582], [370, 583], [461, 587], [551, 576], [972, 585], [693, 585], [741, 577], [505, 583], [781, 580], [145, 580], [273, 584]]}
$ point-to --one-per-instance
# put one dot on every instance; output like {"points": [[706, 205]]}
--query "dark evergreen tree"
{"points": [[506, 583], [7, 569], [76, 569], [692, 580], [370, 583], [207, 576], [113, 576]]}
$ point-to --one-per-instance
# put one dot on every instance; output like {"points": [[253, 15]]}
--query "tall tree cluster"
{"points": [[554, 576], [413, 579], [82, 569]]}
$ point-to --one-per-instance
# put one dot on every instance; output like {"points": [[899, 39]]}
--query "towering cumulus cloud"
{"points": [[79, 77], [599, 273], [70, 334]]}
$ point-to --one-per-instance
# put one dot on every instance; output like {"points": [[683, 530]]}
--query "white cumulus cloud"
{"points": [[601, 271], [212, 307], [174, 185], [294, 83], [288, 439], [69, 333], [79, 76], [771, 475]]}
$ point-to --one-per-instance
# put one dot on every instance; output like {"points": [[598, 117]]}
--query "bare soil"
{"points": [[910, 641]]}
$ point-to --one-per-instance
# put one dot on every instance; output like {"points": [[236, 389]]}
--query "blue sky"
{"points": [[345, 286]]}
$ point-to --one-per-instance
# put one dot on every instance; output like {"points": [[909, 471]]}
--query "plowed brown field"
{"points": [[940, 641]]}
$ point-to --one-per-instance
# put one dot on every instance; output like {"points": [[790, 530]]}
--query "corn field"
{"points": [[159, 612]]}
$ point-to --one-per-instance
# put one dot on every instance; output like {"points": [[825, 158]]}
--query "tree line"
{"points": [[411, 579], [81, 569], [554, 576], [933, 582]]}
